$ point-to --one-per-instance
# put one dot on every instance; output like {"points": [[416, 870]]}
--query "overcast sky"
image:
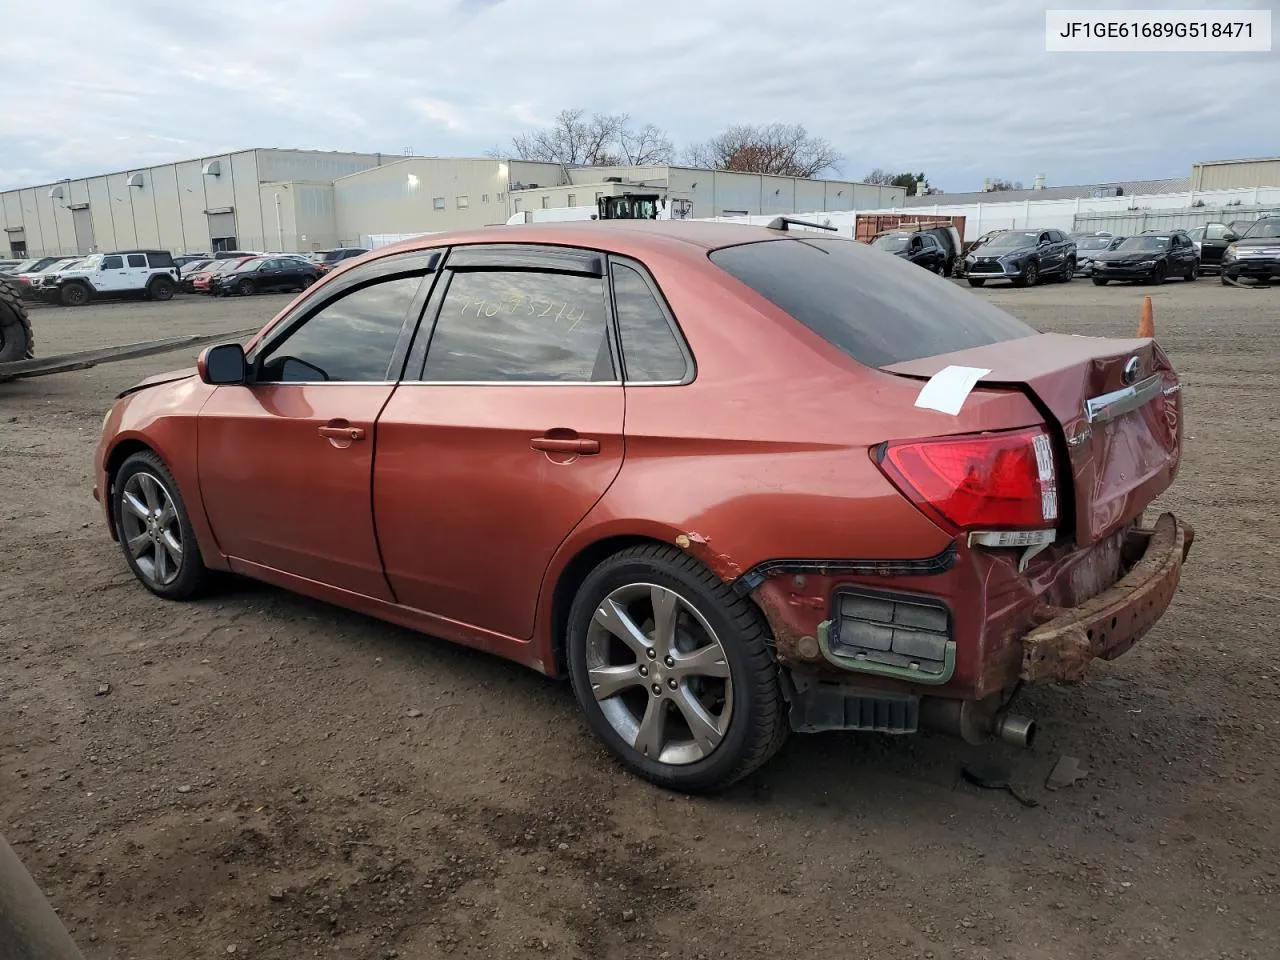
{"points": [[960, 90]]}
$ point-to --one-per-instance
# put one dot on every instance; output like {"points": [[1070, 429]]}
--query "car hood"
{"points": [[986, 253], [1129, 256], [156, 379], [1248, 242]]}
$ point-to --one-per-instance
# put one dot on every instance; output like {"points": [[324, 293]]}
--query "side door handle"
{"points": [[563, 445], [341, 434]]}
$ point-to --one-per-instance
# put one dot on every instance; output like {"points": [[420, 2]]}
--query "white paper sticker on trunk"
{"points": [[948, 389]]}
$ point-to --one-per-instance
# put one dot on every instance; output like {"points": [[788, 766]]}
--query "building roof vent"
{"points": [[135, 180], [212, 169]]}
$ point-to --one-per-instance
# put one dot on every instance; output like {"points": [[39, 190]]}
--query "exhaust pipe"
{"points": [[1011, 728], [976, 722]]}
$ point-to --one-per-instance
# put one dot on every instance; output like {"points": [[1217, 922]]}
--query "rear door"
{"points": [[505, 433], [137, 272]]}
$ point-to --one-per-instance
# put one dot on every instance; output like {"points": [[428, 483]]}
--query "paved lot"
{"points": [[254, 778]]}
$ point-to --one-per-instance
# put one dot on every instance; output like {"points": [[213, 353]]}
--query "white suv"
{"points": [[147, 273]]}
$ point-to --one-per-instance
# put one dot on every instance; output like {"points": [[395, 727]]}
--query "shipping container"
{"points": [[868, 226]]}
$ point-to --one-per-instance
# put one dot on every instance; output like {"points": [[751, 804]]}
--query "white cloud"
{"points": [[959, 90]]}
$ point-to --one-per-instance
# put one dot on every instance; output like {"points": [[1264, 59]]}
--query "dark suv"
{"points": [[1152, 257], [326, 260], [1023, 257], [922, 249], [1256, 254]]}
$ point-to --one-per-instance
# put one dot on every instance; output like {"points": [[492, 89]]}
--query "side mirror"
{"points": [[222, 365], [1230, 236]]}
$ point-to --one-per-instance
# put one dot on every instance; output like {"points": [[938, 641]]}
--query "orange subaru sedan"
{"points": [[731, 481]]}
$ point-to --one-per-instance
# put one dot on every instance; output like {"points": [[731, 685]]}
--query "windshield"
{"points": [[1093, 243], [88, 263], [1145, 243], [878, 310], [1012, 240], [249, 265], [1263, 228], [892, 243]]}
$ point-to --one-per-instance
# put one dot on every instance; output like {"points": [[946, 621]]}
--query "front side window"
{"points": [[113, 263], [351, 338], [1214, 231], [650, 350], [513, 326]]}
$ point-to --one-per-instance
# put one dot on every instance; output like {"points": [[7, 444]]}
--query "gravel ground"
{"points": [[273, 777]]}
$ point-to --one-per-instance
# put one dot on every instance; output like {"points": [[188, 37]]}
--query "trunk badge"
{"points": [[1131, 370]]}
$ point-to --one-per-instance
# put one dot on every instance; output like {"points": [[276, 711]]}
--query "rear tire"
{"points": [[16, 340], [1194, 273], [738, 694], [74, 294], [1068, 272], [161, 289], [1100, 281], [167, 563], [974, 282]]}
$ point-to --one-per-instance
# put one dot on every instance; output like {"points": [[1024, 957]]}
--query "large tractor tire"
{"points": [[16, 341]]}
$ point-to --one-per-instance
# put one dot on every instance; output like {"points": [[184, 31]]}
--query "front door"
{"points": [[511, 434], [285, 461]]}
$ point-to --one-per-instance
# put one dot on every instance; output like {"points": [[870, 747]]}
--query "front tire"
{"points": [[155, 530], [1158, 274], [74, 294], [974, 282], [673, 670], [1030, 276], [245, 287]]}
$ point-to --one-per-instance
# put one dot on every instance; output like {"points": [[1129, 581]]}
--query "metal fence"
{"points": [[1130, 222]]}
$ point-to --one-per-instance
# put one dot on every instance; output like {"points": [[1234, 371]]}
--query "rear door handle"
{"points": [[559, 445], [342, 433]]}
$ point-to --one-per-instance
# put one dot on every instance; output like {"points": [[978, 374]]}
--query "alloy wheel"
{"points": [[151, 530], [659, 673]]}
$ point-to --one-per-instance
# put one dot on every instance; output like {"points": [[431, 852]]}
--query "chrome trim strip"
{"points": [[1111, 405]]}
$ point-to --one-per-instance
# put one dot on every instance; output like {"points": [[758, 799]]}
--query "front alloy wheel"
{"points": [[154, 529], [673, 670]]}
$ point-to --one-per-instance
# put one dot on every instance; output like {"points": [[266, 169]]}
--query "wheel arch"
{"points": [[115, 457]]}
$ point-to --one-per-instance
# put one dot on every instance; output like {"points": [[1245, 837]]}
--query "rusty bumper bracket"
{"points": [[1062, 648]]}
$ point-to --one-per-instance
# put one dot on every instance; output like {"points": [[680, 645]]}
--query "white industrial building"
{"points": [[300, 200]]}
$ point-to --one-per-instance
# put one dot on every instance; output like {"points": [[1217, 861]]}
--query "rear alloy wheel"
{"points": [[245, 287], [161, 289], [672, 670], [154, 529], [75, 294], [1194, 272], [976, 282], [1068, 272]]}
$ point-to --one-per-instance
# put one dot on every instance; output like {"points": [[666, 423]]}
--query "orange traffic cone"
{"points": [[1146, 322]]}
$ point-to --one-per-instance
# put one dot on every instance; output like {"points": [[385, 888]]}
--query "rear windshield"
{"points": [[879, 310]]}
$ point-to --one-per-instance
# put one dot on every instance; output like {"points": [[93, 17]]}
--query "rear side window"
{"points": [[161, 259], [879, 310], [650, 350], [137, 260], [514, 325]]}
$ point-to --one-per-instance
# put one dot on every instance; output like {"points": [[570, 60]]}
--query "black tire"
{"points": [[1068, 272], [245, 287], [1030, 275], [161, 289], [1100, 281], [307, 281], [1194, 272], [192, 576], [74, 294], [757, 723], [1159, 274], [976, 282], [1222, 278], [16, 339]]}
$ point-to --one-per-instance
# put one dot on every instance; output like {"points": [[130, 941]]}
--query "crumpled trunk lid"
{"points": [[1116, 406]]}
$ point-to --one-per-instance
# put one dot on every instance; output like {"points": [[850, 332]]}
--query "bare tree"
{"points": [[998, 184], [783, 149], [598, 140]]}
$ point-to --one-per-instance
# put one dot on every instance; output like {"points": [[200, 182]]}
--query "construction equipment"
{"points": [[624, 206], [16, 341]]}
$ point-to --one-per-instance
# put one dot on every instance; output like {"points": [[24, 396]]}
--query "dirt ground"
{"points": [[273, 777]]}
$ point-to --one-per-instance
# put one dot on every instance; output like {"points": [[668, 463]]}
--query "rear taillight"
{"points": [[987, 481]]}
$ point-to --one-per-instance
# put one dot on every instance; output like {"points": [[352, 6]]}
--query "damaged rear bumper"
{"points": [[1067, 641]]}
